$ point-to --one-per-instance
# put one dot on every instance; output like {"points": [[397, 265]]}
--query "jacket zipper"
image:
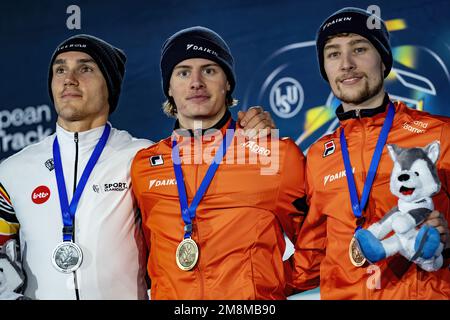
{"points": [[75, 139]]}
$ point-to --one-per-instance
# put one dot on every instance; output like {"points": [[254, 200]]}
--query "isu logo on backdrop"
{"points": [[286, 97], [40, 195]]}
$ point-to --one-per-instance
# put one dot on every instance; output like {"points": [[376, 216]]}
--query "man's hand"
{"points": [[437, 220], [255, 119]]}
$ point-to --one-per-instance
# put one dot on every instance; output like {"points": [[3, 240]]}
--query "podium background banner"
{"points": [[272, 43]]}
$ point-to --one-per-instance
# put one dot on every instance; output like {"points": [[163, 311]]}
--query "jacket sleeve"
{"points": [[290, 206], [12, 277], [291, 199], [9, 226], [137, 193], [310, 244], [443, 167]]}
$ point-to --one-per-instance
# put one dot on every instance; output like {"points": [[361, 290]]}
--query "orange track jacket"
{"points": [[322, 246], [239, 223]]}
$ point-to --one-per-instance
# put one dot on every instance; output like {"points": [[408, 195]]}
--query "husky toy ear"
{"points": [[394, 151], [433, 150]]}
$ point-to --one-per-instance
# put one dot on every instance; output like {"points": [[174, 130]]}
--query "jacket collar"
{"points": [[362, 113], [85, 137], [200, 132]]}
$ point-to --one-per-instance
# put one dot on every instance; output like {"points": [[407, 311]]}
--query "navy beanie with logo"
{"points": [[358, 21], [195, 42], [110, 60]]}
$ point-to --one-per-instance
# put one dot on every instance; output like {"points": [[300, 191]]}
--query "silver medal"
{"points": [[67, 257], [187, 254]]}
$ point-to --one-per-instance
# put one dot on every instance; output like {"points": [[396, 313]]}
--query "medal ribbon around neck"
{"points": [[358, 207], [68, 211], [188, 212]]}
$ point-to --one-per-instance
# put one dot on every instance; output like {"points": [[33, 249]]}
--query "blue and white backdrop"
{"points": [[272, 42]]}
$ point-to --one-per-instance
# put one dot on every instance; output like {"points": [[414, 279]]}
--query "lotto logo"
{"points": [[40, 195]]}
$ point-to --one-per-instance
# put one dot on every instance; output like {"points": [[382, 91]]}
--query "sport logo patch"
{"points": [[156, 160], [116, 186], [40, 195], [329, 148], [50, 164], [108, 187]]}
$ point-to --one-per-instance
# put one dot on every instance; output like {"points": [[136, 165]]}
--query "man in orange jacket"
{"points": [[355, 60], [215, 206]]}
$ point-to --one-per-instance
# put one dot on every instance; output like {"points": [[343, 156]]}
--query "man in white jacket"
{"points": [[68, 197], [84, 81]]}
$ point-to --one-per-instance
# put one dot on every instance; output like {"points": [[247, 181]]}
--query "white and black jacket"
{"points": [[106, 226]]}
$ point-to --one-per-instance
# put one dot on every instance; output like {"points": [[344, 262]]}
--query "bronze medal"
{"points": [[187, 254], [356, 256]]}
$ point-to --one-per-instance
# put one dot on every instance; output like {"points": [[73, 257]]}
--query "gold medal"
{"points": [[187, 254], [356, 256]]}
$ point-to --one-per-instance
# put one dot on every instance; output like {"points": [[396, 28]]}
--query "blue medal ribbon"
{"points": [[188, 212], [68, 211], [357, 206]]}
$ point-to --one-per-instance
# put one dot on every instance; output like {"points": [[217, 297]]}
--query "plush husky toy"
{"points": [[414, 181]]}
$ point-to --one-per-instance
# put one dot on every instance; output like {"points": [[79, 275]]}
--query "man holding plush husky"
{"points": [[355, 60]]}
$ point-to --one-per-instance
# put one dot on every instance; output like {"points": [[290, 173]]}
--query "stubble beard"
{"points": [[71, 113], [362, 95]]}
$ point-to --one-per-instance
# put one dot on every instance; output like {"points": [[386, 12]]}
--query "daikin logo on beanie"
{"points": [[195, 42], [110, 60], [354, 20], [193, 47]]}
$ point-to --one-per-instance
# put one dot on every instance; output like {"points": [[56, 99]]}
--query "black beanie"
{"points": [[355, 20], [109, 59], [195, 42]]}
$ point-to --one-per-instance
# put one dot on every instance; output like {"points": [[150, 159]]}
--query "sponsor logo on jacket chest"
{"points": [[335, 176], [255, 148], [50, 164], [328, 148], [108, 187], [415, 126], [156, 160], [40, 195], [161, 183]]}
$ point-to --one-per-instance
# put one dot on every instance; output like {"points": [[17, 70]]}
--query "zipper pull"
{"points": [[357, 111], [75, 137]]}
